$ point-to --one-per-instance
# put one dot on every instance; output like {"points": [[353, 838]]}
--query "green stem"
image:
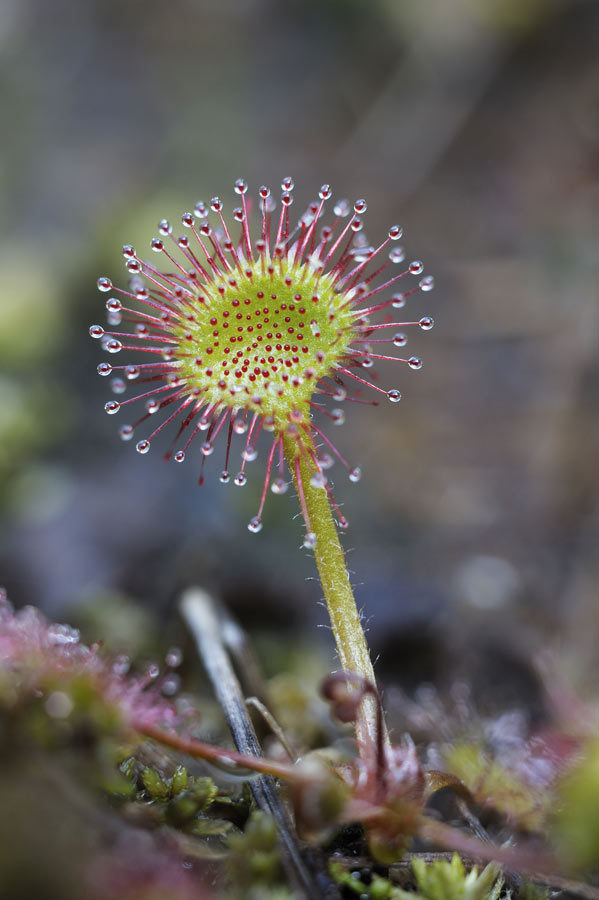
{"points": [[352, 648]]}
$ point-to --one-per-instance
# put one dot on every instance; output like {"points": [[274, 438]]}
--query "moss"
{"points": [[576, 824], [439, 880], [254, 861], [496, 786]]}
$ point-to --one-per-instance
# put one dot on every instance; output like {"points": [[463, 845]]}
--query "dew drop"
{"points": [[133, 265], [397, 254], [157, 245], [315, 328], [326, 461], [240, 479], [118, 386], [426, 323], [112, 407], [207, 448], [264, 192], [416, 267], [224, 477], [153, 671], [249, 454], [238, 214], [114, 346], [255, 525], [170, 685], [179, 456], [104, 369], [319, 480], [164, 227], [62, 634], [142, 446], [415, 362], [394, 396], [216, 204], [279, 486], [240, 186], [287, 184], [187, 219], [427, 283], [398, 300], [355, 474], [356, 224], [113, 305], [126, 432], [121, 665], [399, 339], [339, 394], [268, 423], [360, 206], [128, 251], [104, 284], [152, 405], [240, 427], [114, 318], [131, 373], [200, 209], [325, 192], [395, 232], [96, 331], [338, 416], [343, 523], [174, 657], [310, 541], [366, 362]]}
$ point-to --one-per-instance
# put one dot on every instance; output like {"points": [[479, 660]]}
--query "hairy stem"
{"points": [[352, 648]]}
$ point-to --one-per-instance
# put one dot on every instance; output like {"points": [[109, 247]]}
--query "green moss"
{"points": [[254, 860], [531, 891], [378, 889], [154, 785], [442, 880], [439, 880], [576, 823], [179, 781], [491, 784]]}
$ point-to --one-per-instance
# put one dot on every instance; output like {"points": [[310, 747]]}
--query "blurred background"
{"points": [[475, 126]]}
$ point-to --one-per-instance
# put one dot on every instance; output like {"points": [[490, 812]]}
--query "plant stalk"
{"points": [[352, 648]]}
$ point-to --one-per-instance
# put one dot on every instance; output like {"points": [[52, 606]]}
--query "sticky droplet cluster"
{"points": [[244, 332]]}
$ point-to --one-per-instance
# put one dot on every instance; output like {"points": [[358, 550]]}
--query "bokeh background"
{"points": [[475, 125]]}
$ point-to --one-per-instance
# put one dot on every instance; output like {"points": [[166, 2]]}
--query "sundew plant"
{"points": [[260, 321], [257, 328], [269, 325]]}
